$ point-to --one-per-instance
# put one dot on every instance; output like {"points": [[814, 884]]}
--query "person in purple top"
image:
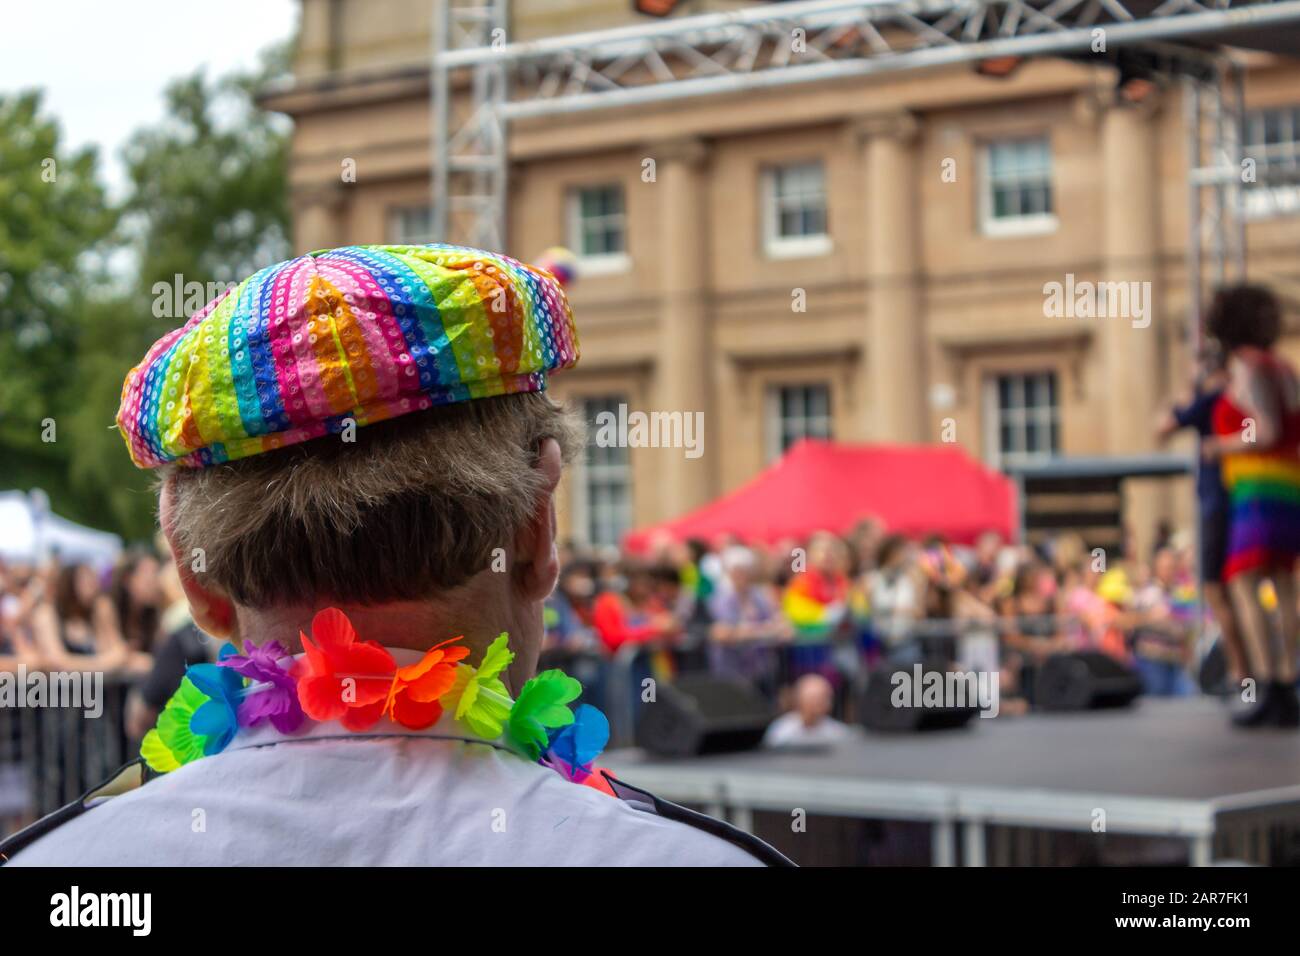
{"points": [[747, 622]]}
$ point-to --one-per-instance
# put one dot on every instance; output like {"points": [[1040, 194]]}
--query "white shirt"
{"points": [[789, 730], [895, 604], [388, 797]]}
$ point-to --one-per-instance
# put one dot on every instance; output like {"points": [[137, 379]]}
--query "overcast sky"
{"points": [[103, 65]]}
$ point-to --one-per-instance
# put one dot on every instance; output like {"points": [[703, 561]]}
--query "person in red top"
{"points": [[634, 616]]}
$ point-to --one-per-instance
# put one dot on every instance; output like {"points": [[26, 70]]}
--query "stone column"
{"points": [[891, 391], [1130, 343], [683, 367]]}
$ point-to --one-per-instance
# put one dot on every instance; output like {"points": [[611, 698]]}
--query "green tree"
{"points": [[208, 196], [206, 200], [54, 218]]}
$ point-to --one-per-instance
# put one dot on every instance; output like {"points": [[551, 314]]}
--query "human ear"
{"points": [[212, 610], [537, 561]]}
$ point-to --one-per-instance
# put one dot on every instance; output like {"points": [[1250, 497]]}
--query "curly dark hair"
{"points": [[1244, 315]]}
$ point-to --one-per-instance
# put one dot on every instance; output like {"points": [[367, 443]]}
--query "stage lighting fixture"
{"points": [[1135, 89], [654, 8], [999, 67]]}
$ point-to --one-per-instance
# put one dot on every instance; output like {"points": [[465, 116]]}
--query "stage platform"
{"points": [[1164, 768]]}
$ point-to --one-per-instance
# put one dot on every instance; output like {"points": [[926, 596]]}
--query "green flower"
{"points": [[542, 704], [481, 700], [171, 743]]}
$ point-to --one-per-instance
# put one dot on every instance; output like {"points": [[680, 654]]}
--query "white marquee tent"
{"points": [[31, 532]]}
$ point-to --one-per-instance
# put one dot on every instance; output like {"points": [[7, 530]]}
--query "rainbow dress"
{"points": [[1263, 487]]}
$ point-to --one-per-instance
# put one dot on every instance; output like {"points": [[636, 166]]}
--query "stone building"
{"points": [[868, 260]]}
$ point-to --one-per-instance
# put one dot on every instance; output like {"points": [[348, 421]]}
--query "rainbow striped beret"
{"points": [[361, 333]]}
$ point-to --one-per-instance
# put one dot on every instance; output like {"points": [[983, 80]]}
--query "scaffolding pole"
{"points": [[470, 162], [1214, 121]]}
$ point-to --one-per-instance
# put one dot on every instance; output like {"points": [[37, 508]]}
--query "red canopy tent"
{"points": [[915, 490]]}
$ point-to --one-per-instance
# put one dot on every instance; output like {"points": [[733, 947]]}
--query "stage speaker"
{"points": [[700, 714], [877, 710], [1086, 680]]}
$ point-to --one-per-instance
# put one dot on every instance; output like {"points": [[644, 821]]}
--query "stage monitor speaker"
{"points": [[1086, 680], [878, 711], [700, 714]]}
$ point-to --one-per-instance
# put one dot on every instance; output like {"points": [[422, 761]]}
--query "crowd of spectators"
{"points": [[832, 604], [128, 620], [802, 622], [840, 606], [724, 606]]}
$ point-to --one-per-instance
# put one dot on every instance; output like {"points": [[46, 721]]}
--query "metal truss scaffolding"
{"points": [[1216, 226], [469, 136], [807, 41]]}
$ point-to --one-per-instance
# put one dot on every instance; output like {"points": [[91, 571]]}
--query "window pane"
{"points": [[1273, 141], [1004, 391], [606, 479], [1027, 417], [1006, 438], [814, 223], [1036, 437], [798, 201], [819, 402], [1018, 178], [1036, 201], [1273, 127], [1037, 391], [600, 221], [998, 161], [803, 411]]}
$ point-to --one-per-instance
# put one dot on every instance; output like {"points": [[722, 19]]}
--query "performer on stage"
{"points": [[358, 467], [1213, 504], [1257, 426]]}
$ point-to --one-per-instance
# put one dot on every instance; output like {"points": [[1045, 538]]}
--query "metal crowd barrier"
{"points": [[50, 756]]}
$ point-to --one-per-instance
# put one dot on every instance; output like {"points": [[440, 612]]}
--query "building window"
{"points": [[1272, 140], [598, 228], [794, 211], [1023, 419], [411, 225], [1017, 188], [604, 489], [795, 412]]}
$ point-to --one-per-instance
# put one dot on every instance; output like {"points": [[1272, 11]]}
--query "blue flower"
{"points": [[576, 746], [217, 719]]}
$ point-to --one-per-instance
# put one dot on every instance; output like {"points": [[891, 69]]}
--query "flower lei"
{"points": [[358, 682]]}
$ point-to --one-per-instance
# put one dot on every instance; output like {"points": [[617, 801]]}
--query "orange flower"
{"points": [[341, 678], [413, 697]]}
